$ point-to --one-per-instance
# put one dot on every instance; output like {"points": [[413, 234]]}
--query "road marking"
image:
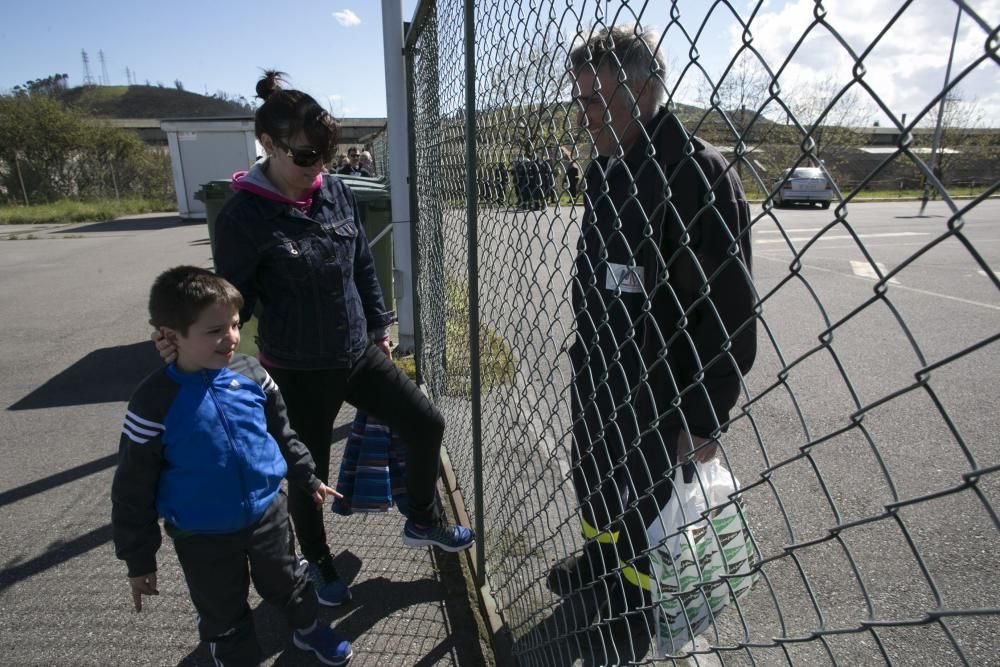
{"points": [[789, 231], [899, 287], [866, 270], [839, 237]]}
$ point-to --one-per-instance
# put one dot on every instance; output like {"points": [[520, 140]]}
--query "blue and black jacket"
{"points": [[206, 451]]}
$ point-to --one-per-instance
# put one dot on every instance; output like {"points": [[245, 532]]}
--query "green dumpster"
{"points": [[372, 195], [214, 194]]}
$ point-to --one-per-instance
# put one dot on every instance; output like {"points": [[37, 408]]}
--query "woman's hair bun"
{"points": [[271, 83]]}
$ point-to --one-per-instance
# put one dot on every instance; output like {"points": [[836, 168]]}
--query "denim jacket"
{"points": [[313, 275]]}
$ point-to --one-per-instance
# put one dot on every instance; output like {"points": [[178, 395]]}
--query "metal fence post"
{"points": [[418, 337], [397, 112], [472, 199]]}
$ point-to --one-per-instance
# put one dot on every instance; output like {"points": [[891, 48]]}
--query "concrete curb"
{"points": [[499, 634]]}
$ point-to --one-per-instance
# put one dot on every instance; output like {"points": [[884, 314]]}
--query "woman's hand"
{"points": [[166, 347], [701, 450]]}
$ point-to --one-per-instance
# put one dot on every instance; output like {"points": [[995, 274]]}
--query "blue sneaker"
{"points": [[448, 537], [330, 590], [329, 647]]}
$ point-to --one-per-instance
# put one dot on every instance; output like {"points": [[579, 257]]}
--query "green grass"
{"points": [[68, 210], [496, 359], [148, 102]]}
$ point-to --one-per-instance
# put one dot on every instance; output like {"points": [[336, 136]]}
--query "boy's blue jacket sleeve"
{"points": [[134, 517]]}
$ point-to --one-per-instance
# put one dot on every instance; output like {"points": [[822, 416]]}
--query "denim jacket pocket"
{"points": [[342, 233], [289, 260], [344, 228]]}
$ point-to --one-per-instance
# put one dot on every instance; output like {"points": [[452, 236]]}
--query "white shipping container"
{"points": [[207, 149]]}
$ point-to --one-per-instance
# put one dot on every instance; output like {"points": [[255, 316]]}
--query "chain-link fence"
{"points": [[613, 307], [380, 152]]}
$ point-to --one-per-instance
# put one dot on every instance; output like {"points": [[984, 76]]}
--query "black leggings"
{"points": [[376, 385]]}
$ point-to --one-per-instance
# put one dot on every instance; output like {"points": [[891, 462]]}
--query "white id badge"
{"points": [[627, 279]]}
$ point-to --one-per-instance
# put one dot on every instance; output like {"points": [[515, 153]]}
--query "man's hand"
{"points": [[144, 585], [384, 345], [324, 491], [701, 450], [165, 347]]}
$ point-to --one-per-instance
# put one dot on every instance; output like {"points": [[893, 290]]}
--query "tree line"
{"points": [[49, 151]]}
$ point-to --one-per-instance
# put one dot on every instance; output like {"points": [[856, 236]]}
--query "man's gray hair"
{"points": [[628, 49]]}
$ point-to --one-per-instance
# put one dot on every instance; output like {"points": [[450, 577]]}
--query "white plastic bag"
{"points": [[703, 556]]}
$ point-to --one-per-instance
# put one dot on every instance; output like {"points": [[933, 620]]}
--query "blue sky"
{"points": [[206, 45], [333, 48]]}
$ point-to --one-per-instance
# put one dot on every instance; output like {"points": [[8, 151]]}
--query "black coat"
{"points": [[681, 221]]}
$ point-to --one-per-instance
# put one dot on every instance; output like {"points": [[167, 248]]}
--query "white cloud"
{"points": [[905, 66], [347, 18]]}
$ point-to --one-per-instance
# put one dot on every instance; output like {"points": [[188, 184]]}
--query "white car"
{"points": [[803, 185]]}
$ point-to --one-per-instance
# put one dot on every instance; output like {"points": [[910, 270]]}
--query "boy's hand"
{"points": [[164, 346], [320, 494], [143, 585]]}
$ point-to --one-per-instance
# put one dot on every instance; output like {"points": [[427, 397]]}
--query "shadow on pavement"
{"points": [[374, 599], [572, 634], [59, 552], [58, 479], [106, 375], [143, 224]]}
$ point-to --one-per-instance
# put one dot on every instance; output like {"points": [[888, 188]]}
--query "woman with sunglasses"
{"points": [[291, 240]]}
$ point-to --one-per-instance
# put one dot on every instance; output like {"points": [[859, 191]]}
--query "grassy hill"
{"points": [[147, 102]]}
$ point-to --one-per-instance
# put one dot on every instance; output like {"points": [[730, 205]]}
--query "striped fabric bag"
{"points": [[372, 474]]}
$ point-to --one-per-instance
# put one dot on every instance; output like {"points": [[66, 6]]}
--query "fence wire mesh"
{"points": [[864, 437], [380, 152]]}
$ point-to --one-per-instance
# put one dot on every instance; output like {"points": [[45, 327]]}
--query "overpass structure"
{"points": [[353, 131]]}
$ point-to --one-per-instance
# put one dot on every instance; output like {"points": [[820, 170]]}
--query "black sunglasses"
{"points": [[302, 157]]}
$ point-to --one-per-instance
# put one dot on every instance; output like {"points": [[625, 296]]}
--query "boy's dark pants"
{"points": [[218, 570]]}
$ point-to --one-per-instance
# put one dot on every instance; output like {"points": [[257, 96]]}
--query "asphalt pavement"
{"points": [[867, 449], [73, 345], [866, 443]]}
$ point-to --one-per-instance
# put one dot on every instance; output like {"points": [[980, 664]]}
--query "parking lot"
{"points": [[73, 344]]}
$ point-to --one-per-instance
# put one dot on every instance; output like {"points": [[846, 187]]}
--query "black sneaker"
{"points": [[576, 572]]}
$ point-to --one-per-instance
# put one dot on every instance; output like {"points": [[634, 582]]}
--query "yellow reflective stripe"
{"points": [[605, 537], [634, 576]]}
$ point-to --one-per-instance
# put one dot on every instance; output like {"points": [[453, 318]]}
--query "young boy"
{"points": [[205, 445]]}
